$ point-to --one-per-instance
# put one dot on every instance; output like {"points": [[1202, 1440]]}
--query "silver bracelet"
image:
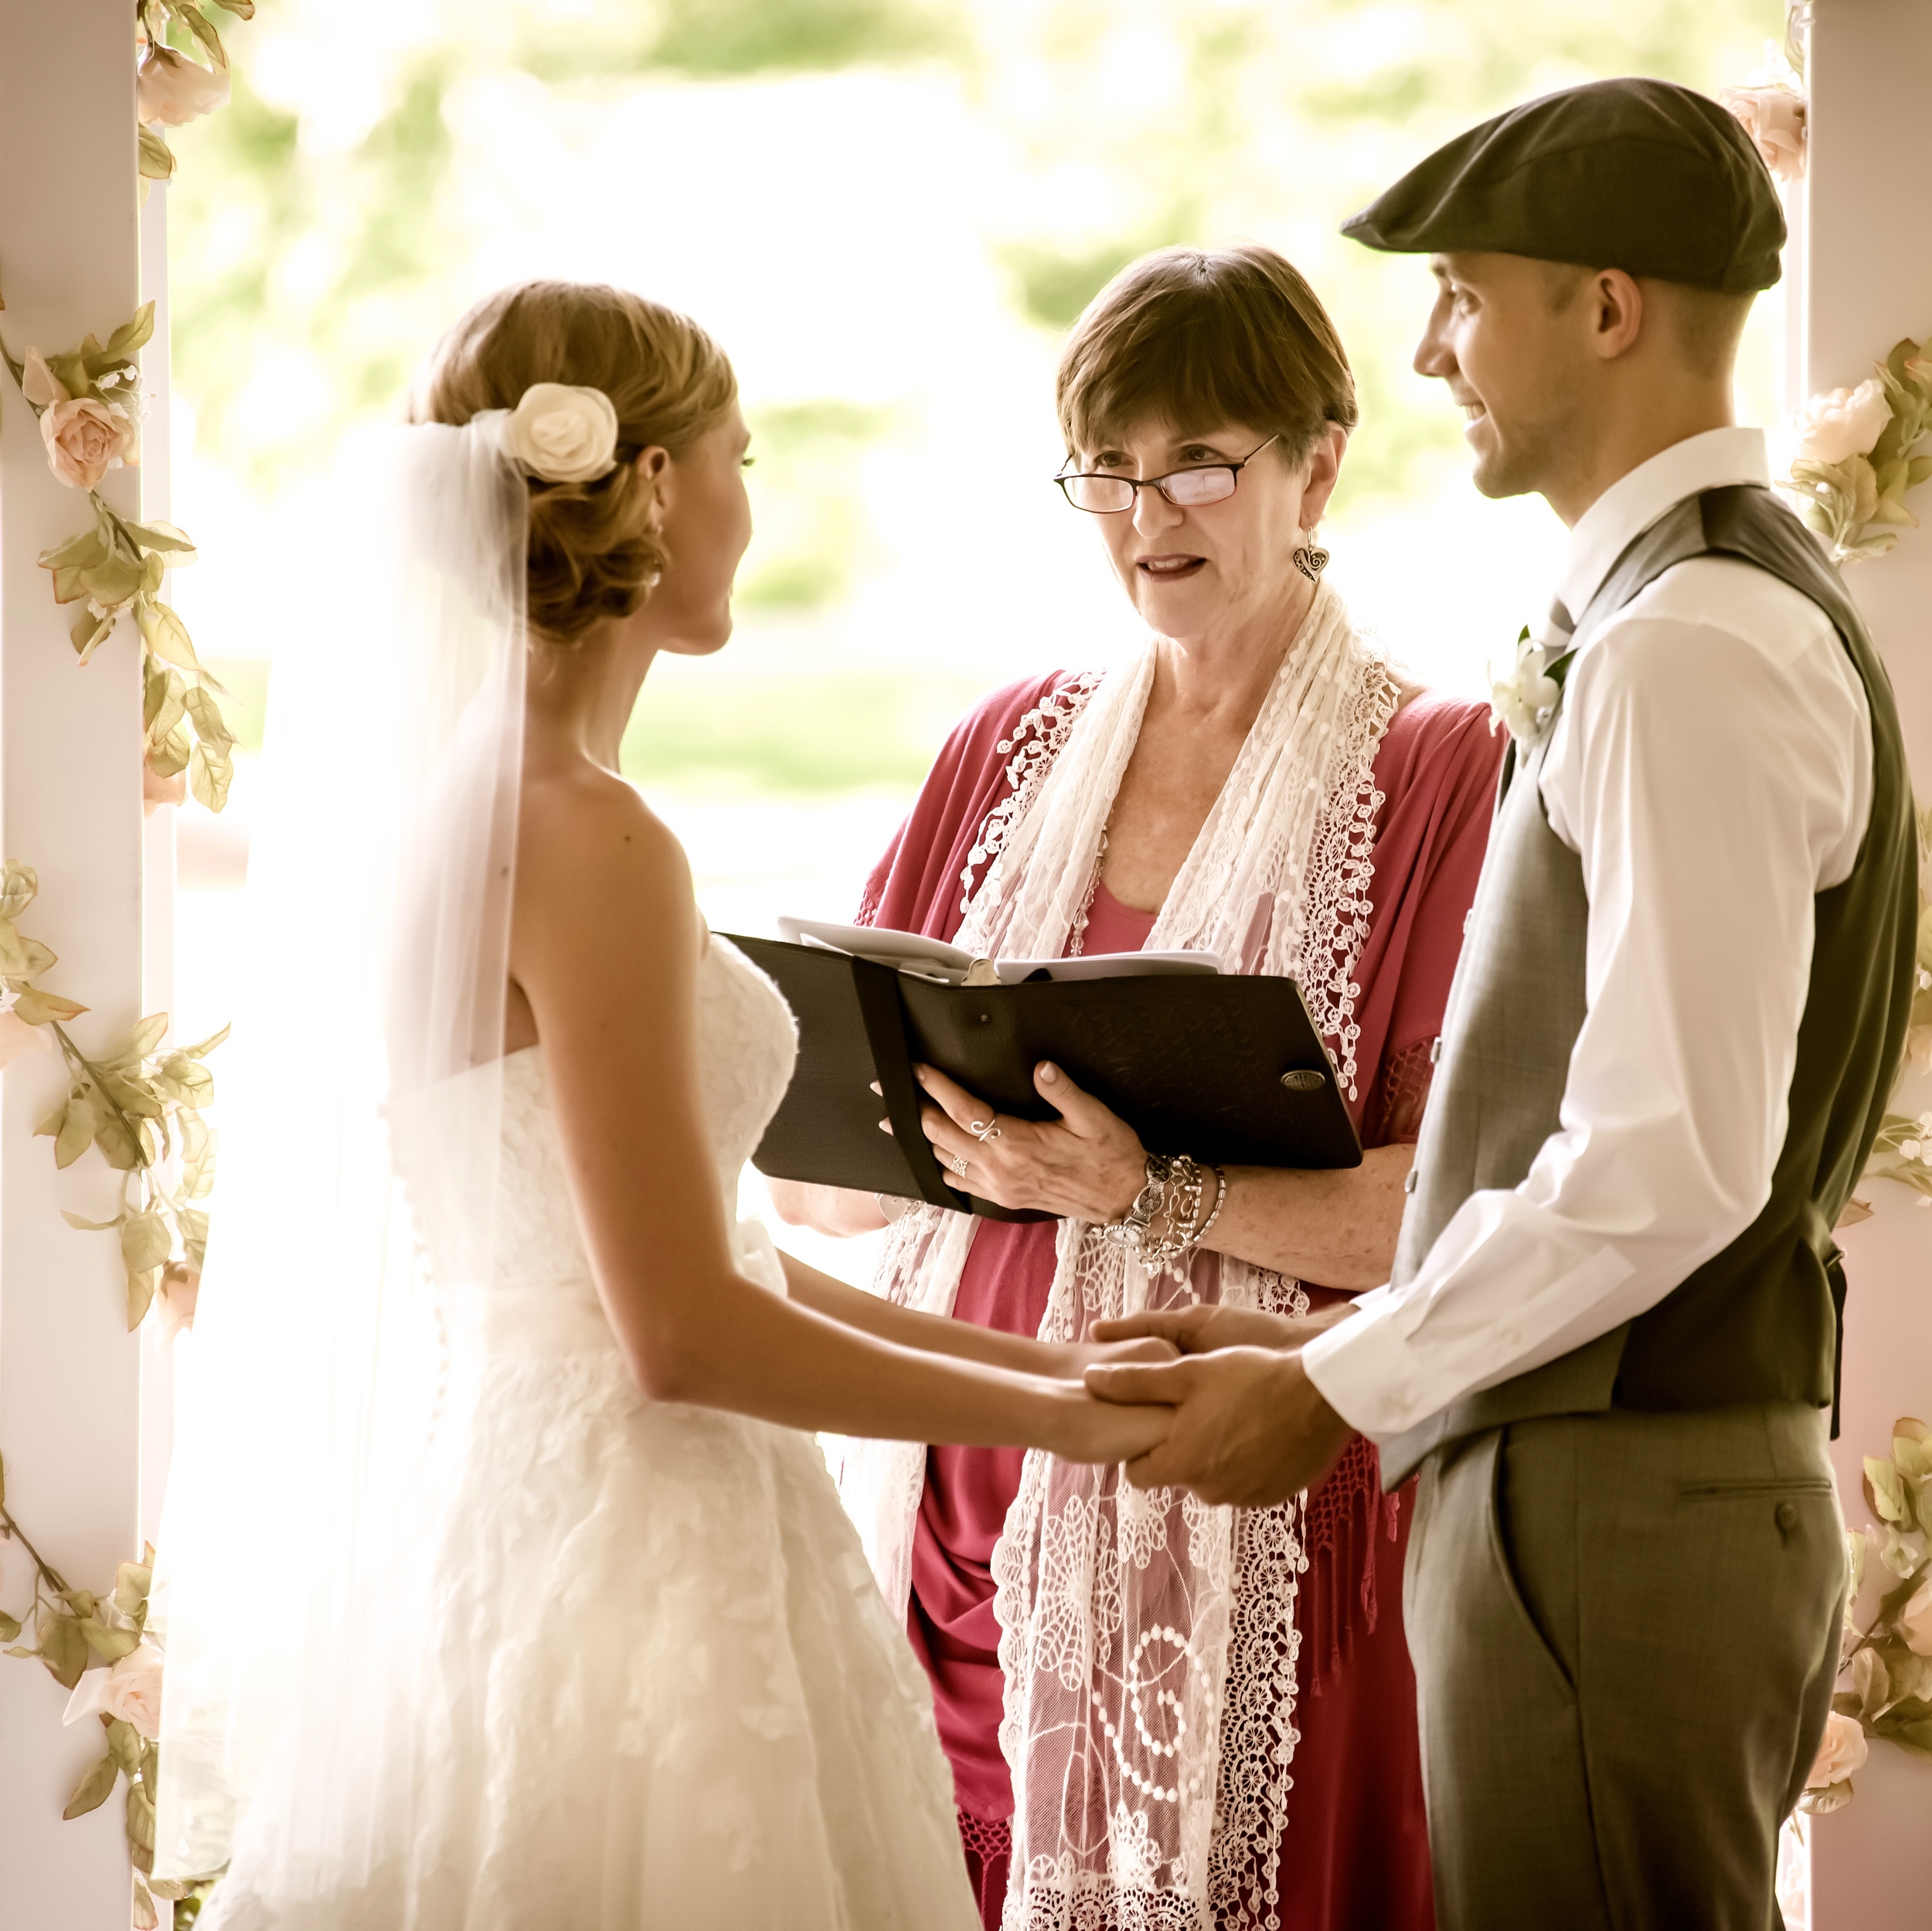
{"points": [[1221, 1201], [1171, 1195]]}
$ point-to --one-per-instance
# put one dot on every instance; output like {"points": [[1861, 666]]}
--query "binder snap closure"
{"points": [[1435, 1050], [1409, 1180], [1304, 1079]]}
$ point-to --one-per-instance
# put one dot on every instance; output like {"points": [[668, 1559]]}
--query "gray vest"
{"points": [[1762, 1320]]}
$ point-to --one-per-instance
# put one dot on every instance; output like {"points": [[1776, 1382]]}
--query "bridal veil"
{"points": [[290, 1586]]}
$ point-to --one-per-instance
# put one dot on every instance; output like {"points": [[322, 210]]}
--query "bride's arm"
{"points": [[606, 946], [966, 1339]]}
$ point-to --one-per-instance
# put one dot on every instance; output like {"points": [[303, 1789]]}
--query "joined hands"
{"points": [[1249, 1427]]}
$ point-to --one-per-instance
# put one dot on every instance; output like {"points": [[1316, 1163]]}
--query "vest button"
{"points": [[1787, 1517]]}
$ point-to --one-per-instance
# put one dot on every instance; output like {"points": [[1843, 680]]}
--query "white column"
{"points": [[1867, 281], [69, 806]]}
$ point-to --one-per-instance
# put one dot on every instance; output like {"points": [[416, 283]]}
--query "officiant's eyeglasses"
{"points": [[1185, 488]]}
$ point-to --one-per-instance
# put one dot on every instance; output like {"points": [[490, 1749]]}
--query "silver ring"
{"points": [[983, 1130], [959, 1164]]}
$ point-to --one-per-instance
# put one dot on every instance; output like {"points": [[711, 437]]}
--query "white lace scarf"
{"points": [[1148, 1640]]}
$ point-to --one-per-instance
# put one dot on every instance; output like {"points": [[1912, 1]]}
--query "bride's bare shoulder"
{"points": [[588, 847]]}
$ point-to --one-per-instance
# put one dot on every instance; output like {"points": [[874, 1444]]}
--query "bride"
{"points": [[501, 1584]]}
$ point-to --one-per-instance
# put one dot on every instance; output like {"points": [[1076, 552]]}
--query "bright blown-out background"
{"points": [[889, 211]]}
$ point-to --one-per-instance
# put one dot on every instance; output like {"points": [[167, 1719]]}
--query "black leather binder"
{"points": [[1228, 1069]]}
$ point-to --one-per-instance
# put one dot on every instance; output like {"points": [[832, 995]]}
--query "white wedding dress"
{"points": [[659, 1687]]}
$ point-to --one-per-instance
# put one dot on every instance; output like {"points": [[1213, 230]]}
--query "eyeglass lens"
{"points": [[1184, 487]]}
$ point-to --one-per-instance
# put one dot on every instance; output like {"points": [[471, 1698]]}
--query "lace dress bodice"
{"points": [[747, 1042]]}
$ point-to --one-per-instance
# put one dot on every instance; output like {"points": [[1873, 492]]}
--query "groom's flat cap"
{"points": [[1641, 175]]}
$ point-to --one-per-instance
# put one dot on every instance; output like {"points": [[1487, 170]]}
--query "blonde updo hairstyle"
{"points": [[593, 554]]}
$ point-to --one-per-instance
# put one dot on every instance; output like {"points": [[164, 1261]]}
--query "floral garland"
{"points": [[97, 1648], [173, 88], [89, 404], [1889, 1661], [141, 1104]]}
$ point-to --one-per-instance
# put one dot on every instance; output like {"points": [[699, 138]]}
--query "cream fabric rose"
{"points": [[1775, 118], [1843, 1751], [85, 439], [1842, 422], [130, 1691], [564, 434], [1915, 1620], [175, 90]]}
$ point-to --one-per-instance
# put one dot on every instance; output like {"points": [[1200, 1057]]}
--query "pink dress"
{"points": [[1356, 1852]]}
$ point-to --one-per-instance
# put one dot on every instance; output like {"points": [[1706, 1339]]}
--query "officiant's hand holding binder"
{"points": [[1228, 1069]]}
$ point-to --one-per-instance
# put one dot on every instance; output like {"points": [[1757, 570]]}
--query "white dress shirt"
{"points": [[1712, 767]]}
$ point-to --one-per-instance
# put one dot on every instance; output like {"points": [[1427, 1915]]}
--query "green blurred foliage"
{"points": [[311, 278], [815, 730], [713, 39], [810, 530]]}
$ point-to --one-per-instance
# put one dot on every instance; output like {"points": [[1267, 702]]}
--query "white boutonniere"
{"points": [[1525, 699]]}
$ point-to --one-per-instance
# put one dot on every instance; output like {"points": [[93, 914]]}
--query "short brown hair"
{"points": [[592, 556], [1197, 337]]}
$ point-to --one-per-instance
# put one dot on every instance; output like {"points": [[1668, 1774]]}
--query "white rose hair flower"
{"points": [[560, 433]]}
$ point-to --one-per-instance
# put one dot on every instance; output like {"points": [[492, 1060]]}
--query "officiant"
{"points": [[1261, 782]]}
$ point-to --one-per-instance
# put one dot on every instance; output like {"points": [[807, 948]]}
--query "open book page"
{"points": [[950, 965]]}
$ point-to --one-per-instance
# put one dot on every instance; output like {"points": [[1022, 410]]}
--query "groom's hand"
{"points": [[1250, 1427]]}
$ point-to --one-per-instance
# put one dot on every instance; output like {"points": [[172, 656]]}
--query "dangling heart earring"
{"points": [[1310, 562]]}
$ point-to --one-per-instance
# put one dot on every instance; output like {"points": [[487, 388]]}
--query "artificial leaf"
{"points": [[1918, 470], [133, 1094], [18, 883], [94, 1788], [118, 1148], [147, 1034], [88, 1226], [144, 1914], [77, 1129], [170, 754], [203, 1048], [134, 333], [1871, 1682], [1882, 1492], [125, 1745], [1898, 1554], [21, 958], [141, 1819], [194, 1235], [88, 632], [210, 772], [178, 544], [78, 552], [144, 1242], [157, 158], [10, 1627], [111, 1644], [241, 9], [210, 725], [1821, 1803], [132, 1581], [113, 581], [167, 635], [152, 571], [141, 1289], [39, 1008], [63, 1648], [197, 24]]}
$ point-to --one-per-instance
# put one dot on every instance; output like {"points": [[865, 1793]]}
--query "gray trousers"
{"points": [[1625, 1629]]}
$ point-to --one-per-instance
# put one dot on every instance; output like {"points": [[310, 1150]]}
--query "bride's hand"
{"points": [[1071, 1359], [1204, 1328], [1086, 1430]]}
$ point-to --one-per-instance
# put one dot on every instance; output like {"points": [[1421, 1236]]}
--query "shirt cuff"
{"points": [[1363, 1369]]}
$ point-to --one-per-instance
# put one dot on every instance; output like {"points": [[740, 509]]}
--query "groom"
{"points": [[1610, 1343]]}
